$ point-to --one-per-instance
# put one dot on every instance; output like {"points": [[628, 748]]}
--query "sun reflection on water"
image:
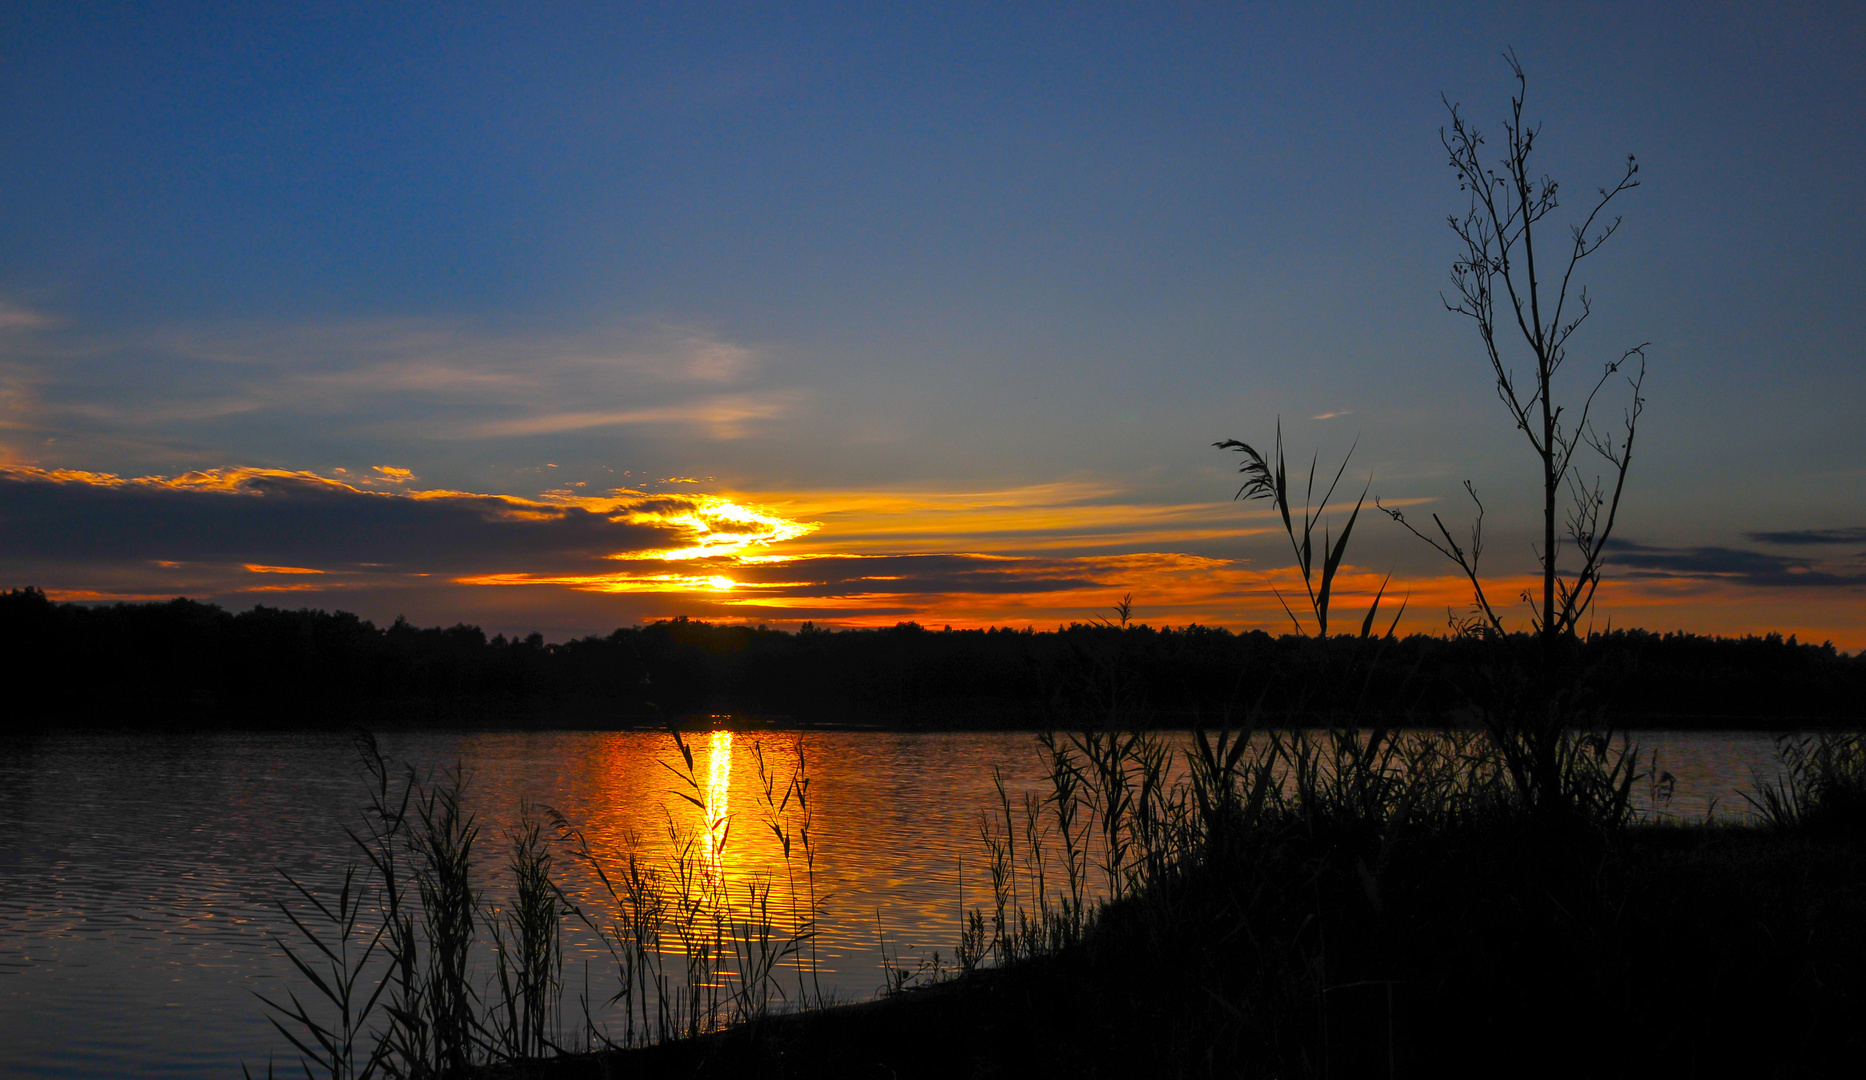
{"points": [[718, 792]]}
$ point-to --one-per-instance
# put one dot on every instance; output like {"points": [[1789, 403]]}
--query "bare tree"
{"points": [[1504, 286]]}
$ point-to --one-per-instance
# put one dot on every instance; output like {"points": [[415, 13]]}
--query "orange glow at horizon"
{"points": [[1041, 531], [1032, 555]]}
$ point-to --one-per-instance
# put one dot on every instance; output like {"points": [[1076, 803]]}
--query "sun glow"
{"points": [[717, 530], [613, 583], [717, 527]]}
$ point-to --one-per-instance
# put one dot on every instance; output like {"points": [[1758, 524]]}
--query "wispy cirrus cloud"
{"points": [[725, 416], [128, 393], [460, 355], [14, 317]]}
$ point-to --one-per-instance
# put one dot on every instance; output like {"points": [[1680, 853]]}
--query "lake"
{"points": [[140, 875]]}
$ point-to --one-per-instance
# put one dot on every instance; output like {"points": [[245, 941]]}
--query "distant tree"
{"points": [[1505, 287]]}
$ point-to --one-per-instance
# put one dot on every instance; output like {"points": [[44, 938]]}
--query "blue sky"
{"points": [[1000, 263]]}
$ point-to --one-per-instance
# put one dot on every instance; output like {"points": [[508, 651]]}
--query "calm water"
{"points": [[139, 875]]}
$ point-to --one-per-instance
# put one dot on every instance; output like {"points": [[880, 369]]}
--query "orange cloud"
{"points": [[89, 596], [283, 588]]}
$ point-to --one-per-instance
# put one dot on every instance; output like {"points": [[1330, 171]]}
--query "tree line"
{"points": [[182, 663]]}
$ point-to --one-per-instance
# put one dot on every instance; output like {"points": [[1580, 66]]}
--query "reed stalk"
{"points": [[443, 847], [527, 948], [1823, 786], [335, 1034], [390, 957]]}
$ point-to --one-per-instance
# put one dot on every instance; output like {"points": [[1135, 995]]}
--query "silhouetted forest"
{"points": [[183, 663]]}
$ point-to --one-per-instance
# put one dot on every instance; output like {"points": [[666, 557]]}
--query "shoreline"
{"points": [[1707, 948]]}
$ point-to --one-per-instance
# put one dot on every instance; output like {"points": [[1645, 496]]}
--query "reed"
{"points": [[1246, 873], [385, 842], [330, 1037], [1151, 815], [442, 846], [1073, 830], [390, 958], [733, 940], [527, 948], [1822, 789], [1562, 761], [630, 931], [789, 817]]}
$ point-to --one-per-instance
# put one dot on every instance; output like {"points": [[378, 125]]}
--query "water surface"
{"points": [[139, 875]]}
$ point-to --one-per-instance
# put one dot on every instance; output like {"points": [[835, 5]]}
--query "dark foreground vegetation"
{"points": [[1270, 904], [1393, 909], [1656, 952], [183, 663]]}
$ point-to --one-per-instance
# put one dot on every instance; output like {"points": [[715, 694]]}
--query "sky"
{"points": [[566, 317]]}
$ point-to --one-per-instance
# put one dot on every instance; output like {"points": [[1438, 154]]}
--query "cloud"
{"points": [[15, 317], [1731, 566], [970, 574], [281, 519], [431, 355], [1811, 537], [725, 417], [171, 387], [966, 588], [817, 578]]}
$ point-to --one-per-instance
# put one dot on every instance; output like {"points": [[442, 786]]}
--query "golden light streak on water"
{"points": [[718, 792]]}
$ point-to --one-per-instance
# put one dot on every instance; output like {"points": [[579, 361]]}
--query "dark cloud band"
{"points": [[1730, 565], [295, 519], [1812, 537], [919, 575]]}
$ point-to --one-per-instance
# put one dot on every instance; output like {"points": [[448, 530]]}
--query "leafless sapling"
{"points": [[1506, 288]]}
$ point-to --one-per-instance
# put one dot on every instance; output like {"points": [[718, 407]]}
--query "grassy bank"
{"points": [[1660, 951]]}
